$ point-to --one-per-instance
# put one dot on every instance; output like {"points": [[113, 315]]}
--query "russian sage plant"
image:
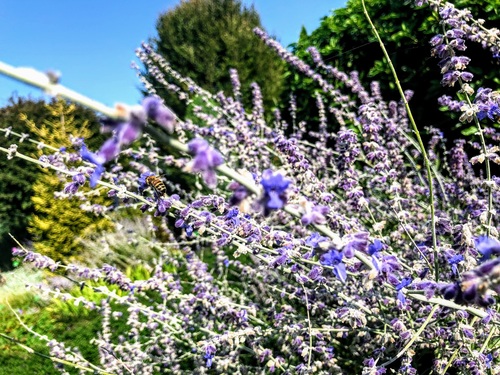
{"points": [[310, 251]]}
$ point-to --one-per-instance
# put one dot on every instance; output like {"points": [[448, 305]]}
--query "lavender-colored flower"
{"points": [[475, 285], [142, 180], [209, 354], [487, 246], [71, 188], [79, 179], [375, 247], [205, 160], [333, 258], [159, 113], [109, 150], [355, 242], [90, 156], [315, 216], [97, 159], [274, 190], [491, 111], [315, 239], [453, 261], [403, 284], [127, 131]]}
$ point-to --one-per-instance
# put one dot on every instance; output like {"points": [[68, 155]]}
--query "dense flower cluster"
{"points": [[321, 256]]}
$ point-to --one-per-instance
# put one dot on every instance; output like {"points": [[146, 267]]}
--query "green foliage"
{"points": [[17, 179], [76, 330], [203, 39], [58, 224], [65, 321], [345, 41]]}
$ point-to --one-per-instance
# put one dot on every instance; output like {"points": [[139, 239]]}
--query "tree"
{"points": [[346, 41], [17, 179], [58, 224], [203, 39]]}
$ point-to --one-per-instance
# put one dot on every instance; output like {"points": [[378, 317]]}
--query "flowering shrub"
{"points": [[365, 250]]}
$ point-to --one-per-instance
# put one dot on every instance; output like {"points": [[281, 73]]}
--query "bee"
{"points": [[157, 184]]}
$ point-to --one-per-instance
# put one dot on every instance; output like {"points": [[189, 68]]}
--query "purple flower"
{"points": [[205, 160], [475, 285], [490, 111], [315, 239], [375, 247], [142, 180], [453, 261], [159, 113], [97, 159], [315, 216], [487, 246], [333, 258], [79, 179], [128, 131], [274, 190], [71, 188], [209, 355], [109, 150], [90, 156], [403, 284], [355, 242]]}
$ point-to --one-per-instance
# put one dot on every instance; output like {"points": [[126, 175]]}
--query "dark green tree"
{"points": [[345, 41], [18, 176], [203, 39]]}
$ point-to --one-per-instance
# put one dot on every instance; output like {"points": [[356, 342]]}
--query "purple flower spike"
{"points": [[274, 190], [205, 160], [333, 258], [159, 113]]}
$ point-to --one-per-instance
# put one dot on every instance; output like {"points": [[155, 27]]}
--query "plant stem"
{"points": [[419, 140]]}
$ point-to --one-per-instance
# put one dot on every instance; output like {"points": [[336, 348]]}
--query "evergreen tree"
{"points": [[346, 41], [57, 225], [203, 39]]}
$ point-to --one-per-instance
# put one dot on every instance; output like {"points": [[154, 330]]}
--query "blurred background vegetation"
{"points": [[51, 123]]}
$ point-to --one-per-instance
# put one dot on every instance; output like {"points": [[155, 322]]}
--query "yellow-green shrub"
{"points": [[58, 225]]}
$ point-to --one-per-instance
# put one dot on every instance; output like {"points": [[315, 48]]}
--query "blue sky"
{"points": [[92, 42]]}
